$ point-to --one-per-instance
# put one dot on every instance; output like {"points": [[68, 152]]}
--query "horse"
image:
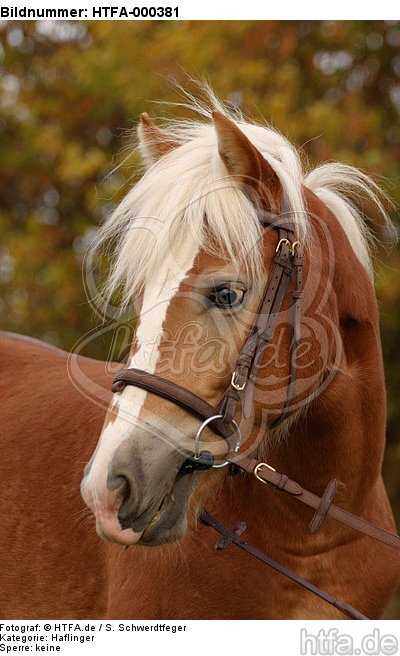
{"points": [[193, 244]]}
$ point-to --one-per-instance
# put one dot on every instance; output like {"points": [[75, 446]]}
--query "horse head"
{"points": [[198, 238]]}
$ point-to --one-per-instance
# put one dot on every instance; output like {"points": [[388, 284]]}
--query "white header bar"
{"points": [[195, 10], [182, 637]]}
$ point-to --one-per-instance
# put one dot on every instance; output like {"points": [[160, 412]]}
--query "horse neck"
{"points": [[342, 434], [340, 437]]}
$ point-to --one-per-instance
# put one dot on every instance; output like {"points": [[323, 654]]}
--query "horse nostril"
{"points": [[120, 483]]}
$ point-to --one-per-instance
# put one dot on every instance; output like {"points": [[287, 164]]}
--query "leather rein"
{"points": [[287, 263]]}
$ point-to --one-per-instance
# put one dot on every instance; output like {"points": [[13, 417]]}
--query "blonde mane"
{"points": [[189, 183]]}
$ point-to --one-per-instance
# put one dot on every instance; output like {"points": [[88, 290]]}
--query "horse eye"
{"points": [[225, 297]]}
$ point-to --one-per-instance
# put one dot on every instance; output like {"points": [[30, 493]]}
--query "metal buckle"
{"points": [[282, 241], [236, 386], [296, 244], [292, 247], [256, 474]]}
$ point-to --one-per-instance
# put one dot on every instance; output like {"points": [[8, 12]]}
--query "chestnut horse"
{"points": [[192, 253]]}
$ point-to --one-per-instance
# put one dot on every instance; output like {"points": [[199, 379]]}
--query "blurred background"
{"points": [[71, 93]]}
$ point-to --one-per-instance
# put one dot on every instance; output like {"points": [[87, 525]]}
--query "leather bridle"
{"points": [[288, 260], [287, 263]]}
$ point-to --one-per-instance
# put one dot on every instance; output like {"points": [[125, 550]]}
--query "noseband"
{"points": [[287, 260]]}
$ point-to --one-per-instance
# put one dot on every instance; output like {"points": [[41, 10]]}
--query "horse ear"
{"points": [[245, 163], [153, 142]]}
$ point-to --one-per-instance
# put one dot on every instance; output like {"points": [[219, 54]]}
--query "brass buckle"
{"points": [[237, 387], [256, 474], [283, 241], [296, 244], [292, 247]]}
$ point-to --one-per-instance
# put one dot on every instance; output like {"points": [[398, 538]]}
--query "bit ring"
{"points": [[203, 426]]}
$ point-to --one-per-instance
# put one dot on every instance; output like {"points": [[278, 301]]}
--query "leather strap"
{"points": [[326, 502], [172, 392], [249, 361], [233, 537], [324, 505], [297, 296], [265, 321]]}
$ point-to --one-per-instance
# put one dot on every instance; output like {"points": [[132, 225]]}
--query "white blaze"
{"points": [[127, 405]]}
